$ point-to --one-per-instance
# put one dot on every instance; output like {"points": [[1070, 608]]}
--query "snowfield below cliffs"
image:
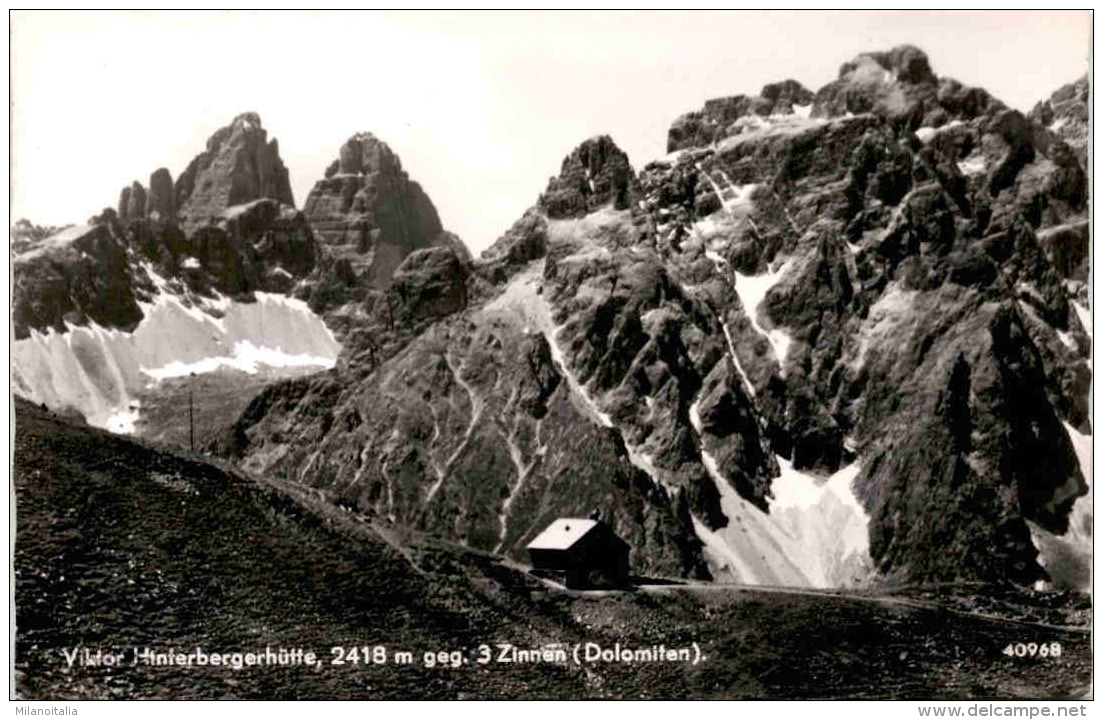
{"points": [[99, 372]]}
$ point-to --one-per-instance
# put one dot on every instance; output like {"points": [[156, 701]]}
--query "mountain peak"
{"points": [[239, 165], [903, 63], [593, 174], [719, 116], [370, 216], [363, 154], [247, 121]]}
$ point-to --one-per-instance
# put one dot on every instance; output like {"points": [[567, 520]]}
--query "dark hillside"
{"points": [[119, 545]]}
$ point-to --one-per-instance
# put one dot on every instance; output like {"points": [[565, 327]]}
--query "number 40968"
{"points": [[1052, 649]]}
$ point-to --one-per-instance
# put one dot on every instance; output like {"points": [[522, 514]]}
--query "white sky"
{"points": [[481, 107]]}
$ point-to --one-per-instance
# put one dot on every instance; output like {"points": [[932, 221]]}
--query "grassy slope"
{"points": [[219, 398], [119, 545]]}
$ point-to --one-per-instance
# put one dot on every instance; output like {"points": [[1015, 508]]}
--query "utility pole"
{"points": [[191, 417]]}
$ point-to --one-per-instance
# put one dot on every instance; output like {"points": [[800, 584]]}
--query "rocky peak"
{"points": [[132, 202], [365, 154], [900, 85], [784, 95], [595, 173], [1065, 114], [897, 85], [904, 63], [718, 119], [161, 199], [369, 215], [240, 165]]}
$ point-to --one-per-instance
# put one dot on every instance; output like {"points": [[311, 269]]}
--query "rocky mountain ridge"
{"points": [[830, 337], [228, 227], [766, 357], [216, 269]]}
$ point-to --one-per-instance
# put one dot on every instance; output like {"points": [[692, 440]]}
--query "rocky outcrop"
{"points": [[236, 234], [1066, 114], [136, 208], [24, 235], [132, 202], [262, 245], [123, 210], [718, 119], [81, 274], [369, 216], [803, 348], [597, 173], [97, 273], [900, 85], [240, 165], [888, 289], [162, 196], [525, 241], [431, 282]]}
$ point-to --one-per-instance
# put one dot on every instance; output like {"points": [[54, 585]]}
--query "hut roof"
{"points": [[562, 534]]}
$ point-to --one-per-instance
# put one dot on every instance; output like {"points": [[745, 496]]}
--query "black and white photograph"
{"points": [[552, 355]]}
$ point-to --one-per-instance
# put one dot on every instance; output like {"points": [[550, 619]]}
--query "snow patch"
{"points": [[740, 195], [1067, 558], [1085, 317], [706, 227], [750, 548], [926, 133], [190, 263], [972, 165], [827, 518], [803, 111], [716, 258], [752, 291], [246, 357], [124, 421], [816, 536], [99, 371], [719, 263], [234, 211]]}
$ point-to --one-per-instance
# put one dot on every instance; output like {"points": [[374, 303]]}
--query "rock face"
{"points": [[228, 226], [832, 337], [79, 275], [431, 282], [900, 86], [240, 165], [136, 207], [596, 173], [162, 195], [808, 347], [715, 120], [234, 235], [369, 213], [368, 216], [1066, 114]]}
